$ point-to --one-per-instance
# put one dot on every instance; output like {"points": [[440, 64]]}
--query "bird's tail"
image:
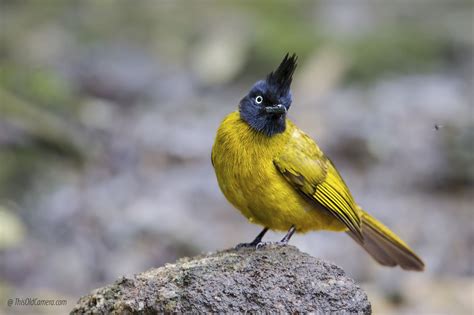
{"points": [[384, 246]]}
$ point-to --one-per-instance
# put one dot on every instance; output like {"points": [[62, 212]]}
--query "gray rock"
{"points": [[271, 279]]}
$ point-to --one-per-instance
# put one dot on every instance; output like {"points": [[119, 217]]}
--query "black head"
{"points": [[267, 103]]}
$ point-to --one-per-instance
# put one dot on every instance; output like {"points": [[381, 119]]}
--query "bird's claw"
{"points": [[259, 245], [264, 244]]}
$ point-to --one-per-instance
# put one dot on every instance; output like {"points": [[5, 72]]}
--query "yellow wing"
{"points": [[306, 167]]}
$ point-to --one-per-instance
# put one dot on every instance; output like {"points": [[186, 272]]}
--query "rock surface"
{"points": [[271, 279]]}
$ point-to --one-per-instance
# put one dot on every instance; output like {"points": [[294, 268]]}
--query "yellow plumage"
{"points": [[285, 180], [243, 160]]}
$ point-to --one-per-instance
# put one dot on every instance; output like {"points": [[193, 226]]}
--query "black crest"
{"points": [[281, 78]]}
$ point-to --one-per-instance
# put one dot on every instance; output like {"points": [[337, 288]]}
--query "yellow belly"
{"points": [[243, 162]]}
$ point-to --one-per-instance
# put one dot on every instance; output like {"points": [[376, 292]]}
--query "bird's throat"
{"points": [[268, 125]]}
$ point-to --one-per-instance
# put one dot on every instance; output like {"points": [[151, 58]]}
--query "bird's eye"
{"points": [[259, 99]]}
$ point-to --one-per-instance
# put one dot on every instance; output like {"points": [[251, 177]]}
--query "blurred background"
{"points": [[108, 111]]}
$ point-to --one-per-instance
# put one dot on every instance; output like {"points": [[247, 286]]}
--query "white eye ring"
{"points": [[259, 99]]}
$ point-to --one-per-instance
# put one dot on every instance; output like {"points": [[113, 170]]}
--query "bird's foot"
{"points": [[284, 241], [265, 244], [255, 242], [259, 245]]}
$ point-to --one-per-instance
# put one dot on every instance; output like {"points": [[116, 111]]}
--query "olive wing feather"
{"points": [[309, 171]]}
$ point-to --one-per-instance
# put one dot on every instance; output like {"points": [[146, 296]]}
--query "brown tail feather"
{"points": [[386, 247]]}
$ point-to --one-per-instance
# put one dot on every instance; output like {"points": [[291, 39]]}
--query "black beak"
{"points": [[275, 109]]}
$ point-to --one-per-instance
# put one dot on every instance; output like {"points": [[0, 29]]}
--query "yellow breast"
{"points": [[243, 162]]}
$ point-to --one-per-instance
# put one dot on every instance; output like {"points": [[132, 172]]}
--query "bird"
{"points": [[278, 177]]}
